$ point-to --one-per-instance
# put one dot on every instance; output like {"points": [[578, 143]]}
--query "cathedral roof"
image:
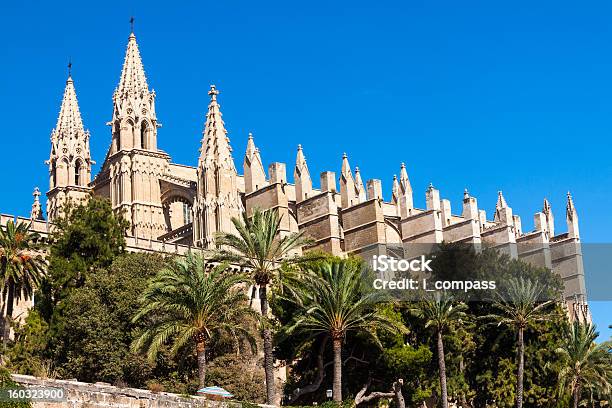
{"points": [[69, 121], [133, 79]]}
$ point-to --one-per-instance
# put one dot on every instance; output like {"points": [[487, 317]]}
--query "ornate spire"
{"points": [[251, 149], [347, 184], [501, 201], [69, 160], [254, 173], [550, 219], [216, 149], [36, 213], [133, 79], [301, 176], [404, 193], [571, 216], [570, 209], [359, 187], [69, 122], [217, 199], [395, 190], [503, 213]]}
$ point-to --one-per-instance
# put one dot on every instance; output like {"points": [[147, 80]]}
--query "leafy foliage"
{"points": [[21, 267], [187, 304], [586, 366], [7, 382], [240, 375]]}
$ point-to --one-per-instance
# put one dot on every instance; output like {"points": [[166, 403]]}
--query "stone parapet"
{"points": [[98, 395]]}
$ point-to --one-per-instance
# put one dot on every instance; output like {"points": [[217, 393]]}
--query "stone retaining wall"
{"points": [[98, 395]]}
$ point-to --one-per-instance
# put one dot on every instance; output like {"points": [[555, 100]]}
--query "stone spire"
{"points": [[395, 191], [470, 206], [347, 184], [503, 213], [301, 177], [405, 193], [69, 122], [254, 173], [572, 218], [69, 161], [215, 150], [133, 79], [550, 219], [501, 201], [36, 213], [134, 118], [217, 199], [359, 187]]}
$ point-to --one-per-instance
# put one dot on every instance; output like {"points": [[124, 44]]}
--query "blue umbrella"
{"points": [[216, 391]]}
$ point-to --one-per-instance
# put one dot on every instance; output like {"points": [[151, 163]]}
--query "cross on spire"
{"points": [[213, 93], [69, 67], [132, 24]]}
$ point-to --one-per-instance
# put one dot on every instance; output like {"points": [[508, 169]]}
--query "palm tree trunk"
{"points": [[337, 388], [399, 397], [201, 352], [521, 369], [442, 366], [576, 396], [9, 313], [267, 346]]}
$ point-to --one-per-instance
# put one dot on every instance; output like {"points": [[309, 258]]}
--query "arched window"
{"points": [[186, 213], [53, 174], [144, 143], [77, 172]]}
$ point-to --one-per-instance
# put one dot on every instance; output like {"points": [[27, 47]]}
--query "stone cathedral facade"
{"points": [[173, 207]]}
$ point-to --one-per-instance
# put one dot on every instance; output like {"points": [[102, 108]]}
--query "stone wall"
{"points": [[86, 395]]}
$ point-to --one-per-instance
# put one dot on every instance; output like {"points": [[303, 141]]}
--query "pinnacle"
{"points": [[501, 201], [216, 149], [133, 78], [69, 120]]}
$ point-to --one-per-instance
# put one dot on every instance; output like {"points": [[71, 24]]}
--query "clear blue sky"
{"points": [[484, 95]]}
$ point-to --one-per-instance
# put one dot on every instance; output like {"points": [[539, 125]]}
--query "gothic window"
{"points": [[186, 213], [77, 173], [62, 173], [53, 174], [144, 143]]}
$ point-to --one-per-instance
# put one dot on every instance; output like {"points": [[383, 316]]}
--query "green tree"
{"points": [[585, 364], [332, 301], [87, 237], [93, 345], [21, 267], [239, 375], [439, 311], [188, 304], [519, 306], [28, 351], [7, 382], [258, 247]]}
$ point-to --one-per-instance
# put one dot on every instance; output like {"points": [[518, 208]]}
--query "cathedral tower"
{"points": [[69, 161], [133, 165], [217, 199]]}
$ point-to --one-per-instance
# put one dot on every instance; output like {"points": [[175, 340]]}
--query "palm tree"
{"points": [[585, 364], [21, 266], [257, 247], [439, 312], [188, 304], [519, 306], [331, 300]]}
